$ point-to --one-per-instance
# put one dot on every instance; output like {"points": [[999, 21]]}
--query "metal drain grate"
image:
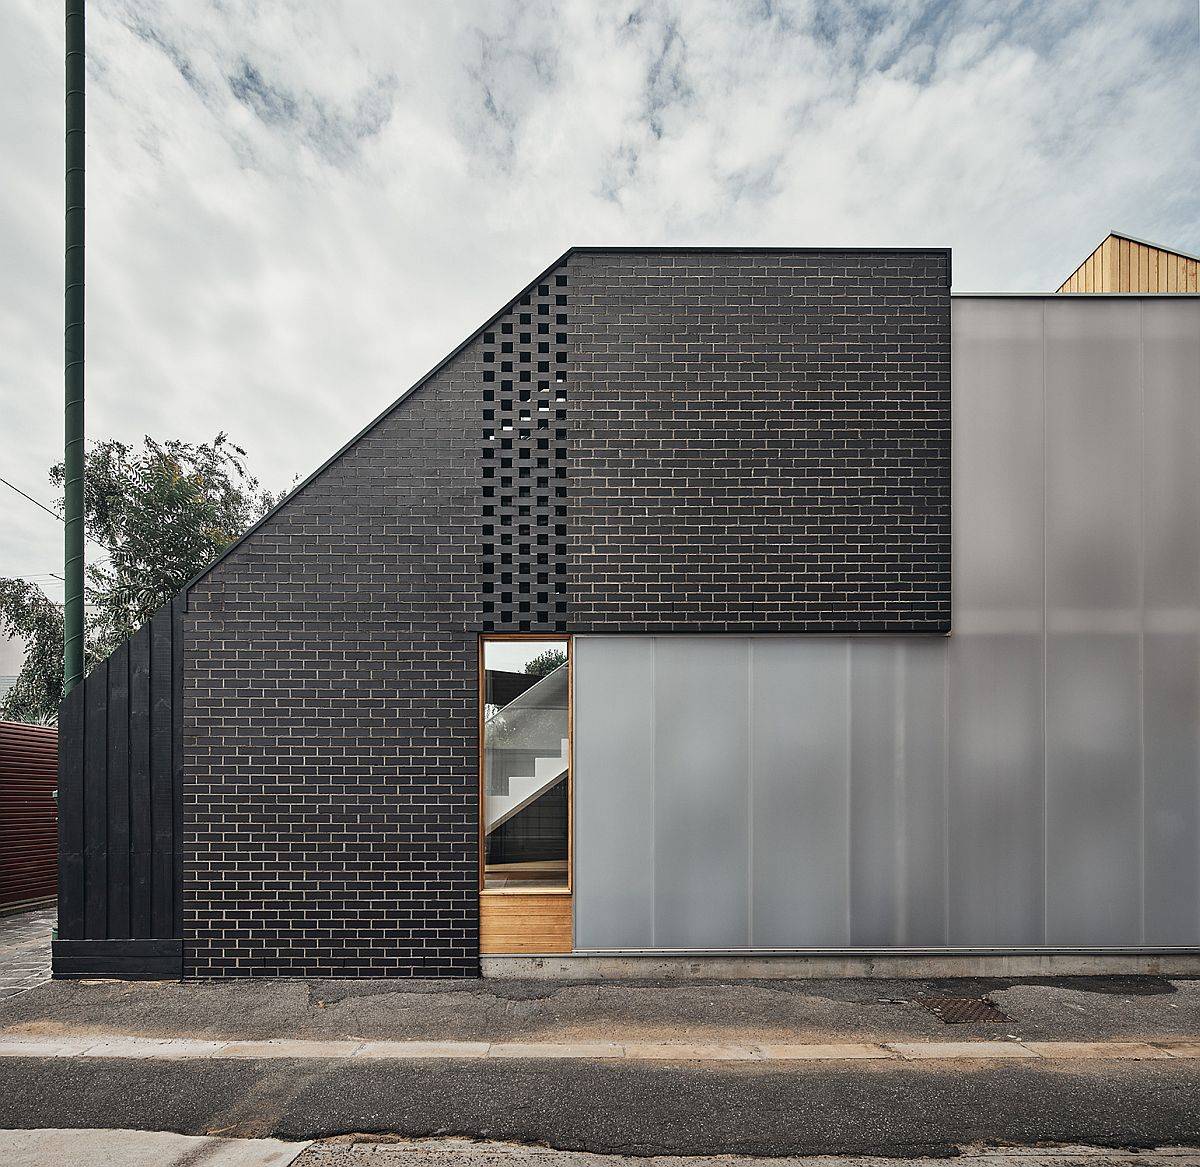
{"points": [[958, 1010]]}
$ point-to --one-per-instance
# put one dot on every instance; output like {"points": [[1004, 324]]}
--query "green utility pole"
{"points": [[73, 345]]}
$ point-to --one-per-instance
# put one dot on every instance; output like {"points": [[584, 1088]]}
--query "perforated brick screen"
{"points": [[525, 470]]}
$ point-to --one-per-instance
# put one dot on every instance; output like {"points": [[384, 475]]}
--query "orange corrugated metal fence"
{"points": [[28, 816]]}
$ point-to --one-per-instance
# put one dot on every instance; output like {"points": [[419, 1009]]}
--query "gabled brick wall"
{"points": [[759, 442], [753, 442], [331, 802]]}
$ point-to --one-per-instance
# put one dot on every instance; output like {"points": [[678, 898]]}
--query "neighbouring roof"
{"points": [[1124, 263]]}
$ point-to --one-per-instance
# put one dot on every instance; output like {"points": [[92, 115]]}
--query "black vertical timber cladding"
{"points": [[70, 814], [178, 608], [119, 832], [139, 785], [117, 769], [162, 755], [95, 805]]}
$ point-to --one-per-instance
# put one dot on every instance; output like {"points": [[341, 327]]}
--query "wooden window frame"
{"points": [[565, 639]]}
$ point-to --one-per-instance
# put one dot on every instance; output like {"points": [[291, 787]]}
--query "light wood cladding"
{"points": [[524, 922], [1121, 264]]}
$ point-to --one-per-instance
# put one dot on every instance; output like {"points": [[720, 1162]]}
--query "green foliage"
{"points": [[160, 513], [546, 662], [163, 511], [27, 613]]}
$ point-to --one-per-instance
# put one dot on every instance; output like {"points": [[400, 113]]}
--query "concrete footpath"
{"points": [[101, 1148], [118, 1045]]}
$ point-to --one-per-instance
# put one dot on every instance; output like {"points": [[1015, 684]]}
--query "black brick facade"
{"points": [[760, 442], [753, 442], [331, 802]]}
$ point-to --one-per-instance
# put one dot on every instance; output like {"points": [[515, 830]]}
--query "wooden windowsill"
{"points": [[524, 891]]}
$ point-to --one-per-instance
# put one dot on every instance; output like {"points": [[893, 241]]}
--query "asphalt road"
{"points": [[848, 1108]]}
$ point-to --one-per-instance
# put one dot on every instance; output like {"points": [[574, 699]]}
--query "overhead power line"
{"points": [[31, 499], [53, 513]]}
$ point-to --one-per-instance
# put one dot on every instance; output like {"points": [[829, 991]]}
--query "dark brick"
{"points": [[754, 442], [331, 802], [759, 442]]}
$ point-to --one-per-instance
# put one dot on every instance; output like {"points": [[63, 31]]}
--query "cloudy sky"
{"points": [[296, 207]]}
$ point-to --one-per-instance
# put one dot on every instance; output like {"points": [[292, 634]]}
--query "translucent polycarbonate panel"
{"points": [[1171, 667], [701, 812], [799, 759], [996, 795], [1093, 790], [921, 795], [1093, 622], [1031, 781], [874, 813], [1171, 651], [996, 777], [897, 792], [997, 467], [1171, 469], [1093, 460], [614, 792]]}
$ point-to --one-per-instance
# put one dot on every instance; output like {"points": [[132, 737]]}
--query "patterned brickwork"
{"points": [[525, 463], [331, 802], [759, 442]]}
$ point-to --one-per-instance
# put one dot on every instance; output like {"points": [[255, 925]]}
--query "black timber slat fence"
{"points": [[120, 908]]}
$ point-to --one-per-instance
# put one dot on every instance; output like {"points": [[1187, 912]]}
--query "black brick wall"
{"points": [[754, 442], [759, 442], [331, 802]]}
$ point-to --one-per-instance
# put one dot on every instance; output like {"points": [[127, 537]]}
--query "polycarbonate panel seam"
{"points": [[1142, 620]]}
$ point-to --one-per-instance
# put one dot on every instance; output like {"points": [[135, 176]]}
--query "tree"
{"points": [[27, 613], [160, 513], [546, 662]]}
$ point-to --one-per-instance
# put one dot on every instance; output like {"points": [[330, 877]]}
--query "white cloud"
{"points": [[296, 209]]}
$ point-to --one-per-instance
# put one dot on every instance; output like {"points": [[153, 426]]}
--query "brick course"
{"points": [[759, 442]]}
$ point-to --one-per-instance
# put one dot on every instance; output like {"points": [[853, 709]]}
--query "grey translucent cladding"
{"points": [[873, 810], [997, 424], [799, 754], [1032, 780], [1093, 790], [701, 817], [796, 786], [614, 743], [1093, 532], [1171, 643], [1171, 668], [921, 783], [996, 700], [996, 790], [1093, 465]]}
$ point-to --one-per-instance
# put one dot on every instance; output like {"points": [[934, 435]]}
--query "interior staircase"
{"points": [[524, 789]]}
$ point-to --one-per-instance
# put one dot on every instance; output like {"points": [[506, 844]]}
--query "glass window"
{"points": [[526, 755]]}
